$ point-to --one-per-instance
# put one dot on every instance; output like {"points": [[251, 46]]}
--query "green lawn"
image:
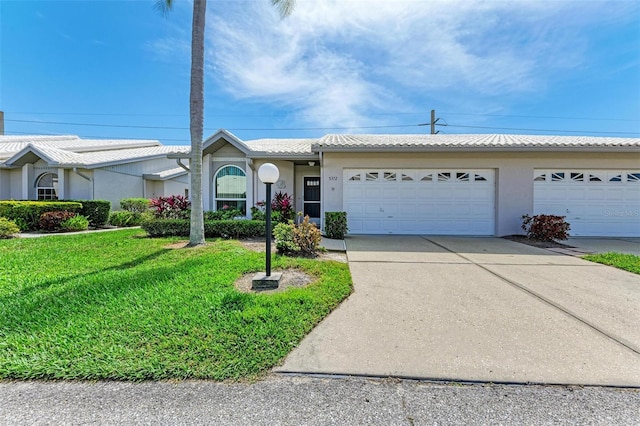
{"points": [[628, 262], [117, 305]]}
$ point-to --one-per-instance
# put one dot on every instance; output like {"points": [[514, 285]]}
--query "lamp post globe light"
{"points": [[268, 174]]}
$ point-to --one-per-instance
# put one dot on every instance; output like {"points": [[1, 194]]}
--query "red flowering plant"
{"points": [[282, 205], [546, 227], [171, 207]]}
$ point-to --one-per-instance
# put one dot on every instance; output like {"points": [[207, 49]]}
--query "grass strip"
{"points": [[628, 262], [117, 305]]}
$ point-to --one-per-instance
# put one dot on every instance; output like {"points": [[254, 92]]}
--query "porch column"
{"points": [[62, 184], [250, 178], [27, 181], [206, 182]]}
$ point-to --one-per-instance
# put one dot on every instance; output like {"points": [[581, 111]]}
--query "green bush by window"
{"points": [[26, 214], [125, 218], [96, 211], [74, 224], [212, 228], [136, 205], [335, 225], [8, 228]]}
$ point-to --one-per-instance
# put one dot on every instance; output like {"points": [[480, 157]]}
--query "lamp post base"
{"points": [[262, 281]]}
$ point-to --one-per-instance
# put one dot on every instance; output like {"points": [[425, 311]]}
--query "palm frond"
{"points": [[285, 7], [163, 6]]}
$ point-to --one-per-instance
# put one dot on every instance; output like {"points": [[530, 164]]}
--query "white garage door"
{"points": [[411, 201], [595, 202]]}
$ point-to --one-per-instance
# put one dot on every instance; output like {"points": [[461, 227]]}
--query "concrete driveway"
{"points": [[478, 309], [604, 245]]}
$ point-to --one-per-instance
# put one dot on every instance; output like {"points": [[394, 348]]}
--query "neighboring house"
{"points": [[406, 184], [67, 167]]}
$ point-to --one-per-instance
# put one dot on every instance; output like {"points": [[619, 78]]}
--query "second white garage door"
{"points": [[411, 201], [594, 202]]}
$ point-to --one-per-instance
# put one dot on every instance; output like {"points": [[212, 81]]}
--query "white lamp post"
{"points": [[268, 174]]}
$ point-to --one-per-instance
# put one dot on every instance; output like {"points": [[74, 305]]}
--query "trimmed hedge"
{"points": [[96, 211], [124, 218], [8, 228], [335, 224], [26, 214], [212, 228], [135, 205]]}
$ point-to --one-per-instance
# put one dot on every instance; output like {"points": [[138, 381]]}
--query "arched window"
{"points": [[230, 183], [47, 186]]}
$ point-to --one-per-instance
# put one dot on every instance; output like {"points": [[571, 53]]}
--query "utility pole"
{"points": [[434, 120], [1, 123]]}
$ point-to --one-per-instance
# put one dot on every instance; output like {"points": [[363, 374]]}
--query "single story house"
{"points": [[387, 184], [68, 167]]}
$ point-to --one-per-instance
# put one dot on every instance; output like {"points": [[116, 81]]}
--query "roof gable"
{"points": [[52, 156]]}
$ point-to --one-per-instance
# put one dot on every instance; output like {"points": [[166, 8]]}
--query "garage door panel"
{"points": [[603, 203], [447, 202]]}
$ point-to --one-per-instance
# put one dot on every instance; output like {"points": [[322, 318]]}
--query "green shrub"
{"points": [[335, 224], [125, 218], [546, 227], [8, 228], [223, 214], [52, 221], [96, 211], [303, 238], [212, 228], [75, 223], [257, 213], [284, 238], [135, 205], [26, 214], [307, 236]]}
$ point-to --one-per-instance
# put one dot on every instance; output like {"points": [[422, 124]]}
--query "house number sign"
{"points": [[333, 177]]}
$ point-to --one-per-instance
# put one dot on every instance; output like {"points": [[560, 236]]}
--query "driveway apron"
{"points": [[477, 309]]}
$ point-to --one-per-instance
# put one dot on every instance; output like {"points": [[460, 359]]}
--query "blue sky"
{"points": [[334, 66]]}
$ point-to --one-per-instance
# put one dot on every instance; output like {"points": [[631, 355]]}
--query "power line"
{"points": [[130, 126], [324, 115], [267, 129]]}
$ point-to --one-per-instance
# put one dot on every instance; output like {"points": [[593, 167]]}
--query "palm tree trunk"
{"points": [[196, 115]]}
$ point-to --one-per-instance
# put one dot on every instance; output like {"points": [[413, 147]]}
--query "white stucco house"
{"points": [[68, 167], [388, 184]]}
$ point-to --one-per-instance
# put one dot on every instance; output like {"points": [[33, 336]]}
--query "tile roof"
{"points": [[165, 174], [424, 141], [10, 144], [93, 159], [282, 146]]}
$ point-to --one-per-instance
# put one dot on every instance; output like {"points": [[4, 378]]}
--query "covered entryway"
{"points": [[420, 201], [595, 202]]}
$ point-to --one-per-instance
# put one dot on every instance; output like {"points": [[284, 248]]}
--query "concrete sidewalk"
{"points": [[479, 309]]}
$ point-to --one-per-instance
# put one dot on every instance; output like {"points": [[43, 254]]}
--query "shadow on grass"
{"points": [[35, 308]]}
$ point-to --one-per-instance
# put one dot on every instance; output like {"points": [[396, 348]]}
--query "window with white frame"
{"points": [[230, 186], [47, 186]]}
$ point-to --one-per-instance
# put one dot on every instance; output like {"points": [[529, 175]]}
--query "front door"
{"points": [[311, 202]]}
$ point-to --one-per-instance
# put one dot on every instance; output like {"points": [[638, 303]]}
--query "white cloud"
{"points": [[337, 62]]}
